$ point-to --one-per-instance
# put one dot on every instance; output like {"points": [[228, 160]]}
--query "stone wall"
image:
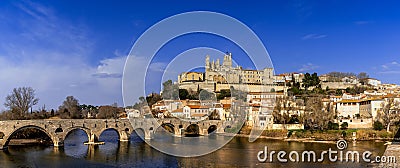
{"points": [[357, 123], [219, 86], [336, 85]]}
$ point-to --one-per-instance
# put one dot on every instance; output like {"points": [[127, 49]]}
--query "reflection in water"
{"points": [[73, 144], [136, 153]]}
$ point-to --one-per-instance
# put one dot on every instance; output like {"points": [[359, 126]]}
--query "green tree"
{"points": [[183, 94], [333, 126], [153, 98], [311, 80], [224, 93], [206, 95], [170, 90], [378, 125], [344, 125]]}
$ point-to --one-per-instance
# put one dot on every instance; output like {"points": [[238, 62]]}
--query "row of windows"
{"points": [[201, 111]]}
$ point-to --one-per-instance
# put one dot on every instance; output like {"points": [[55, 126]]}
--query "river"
{"points": [[136, 153]]}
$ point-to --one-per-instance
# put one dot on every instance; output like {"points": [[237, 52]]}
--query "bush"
{"points": [[344, 125], [344, 134], [378, 125], [290, 134], [333, 126]]}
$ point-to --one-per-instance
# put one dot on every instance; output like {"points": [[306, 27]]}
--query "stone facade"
{"points": [[224, 76]]}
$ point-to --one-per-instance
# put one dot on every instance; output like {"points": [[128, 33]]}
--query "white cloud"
{"points": [[313, 36], [390, 68], [110, 68], [308, 67]]}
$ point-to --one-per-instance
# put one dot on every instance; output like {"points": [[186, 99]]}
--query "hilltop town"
{"points": [[288, 101]]}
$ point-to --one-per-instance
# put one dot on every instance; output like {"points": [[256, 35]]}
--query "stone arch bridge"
{"points": [[58, 129]]}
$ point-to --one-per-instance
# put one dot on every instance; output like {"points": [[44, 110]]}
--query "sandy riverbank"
{"points": [[19, 142]]}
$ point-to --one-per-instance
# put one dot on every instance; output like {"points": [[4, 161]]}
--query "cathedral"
{"points": [[221, 76]]}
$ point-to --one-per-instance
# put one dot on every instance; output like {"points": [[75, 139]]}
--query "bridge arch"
{"points": [[192, 130], [113, 129], [212, 129], [141, 132], [90, 135], [169, 127], [6, 139]]}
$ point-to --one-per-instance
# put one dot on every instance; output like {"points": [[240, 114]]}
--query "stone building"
{"points": [[219, 76], [226, 73]]}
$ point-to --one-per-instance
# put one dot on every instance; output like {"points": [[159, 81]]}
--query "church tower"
{"points": [[227, 60], [207, 62], [217, 65]]}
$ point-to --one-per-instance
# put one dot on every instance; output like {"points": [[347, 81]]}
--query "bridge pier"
{"points": [[93, 140], [58, 143], [148, 135], [179, 132], [203, 132], [123, 136]]}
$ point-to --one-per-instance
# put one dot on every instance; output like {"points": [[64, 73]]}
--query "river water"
{"points": [[136, 153]]}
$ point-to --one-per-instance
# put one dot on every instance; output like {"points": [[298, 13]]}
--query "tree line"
{"points": [[21, 100]]}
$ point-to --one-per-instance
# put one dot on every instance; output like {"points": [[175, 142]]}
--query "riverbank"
{"points": [[23, 142], [326, 136]]}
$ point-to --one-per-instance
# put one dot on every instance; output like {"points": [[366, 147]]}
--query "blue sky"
{"points": [[78, 48]]}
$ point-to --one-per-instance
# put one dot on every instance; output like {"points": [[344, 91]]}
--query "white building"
{"points": [[186, 112], [132, 113], [373, 82], [370, 107], [178, 113], [348, 108]]}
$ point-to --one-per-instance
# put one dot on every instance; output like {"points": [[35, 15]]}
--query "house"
{"points": [[132, 113], [178, 113], [350, 80], [373, 81], [370, 108], [348, 108], [198, 112], [169, 105], [186, 112]]}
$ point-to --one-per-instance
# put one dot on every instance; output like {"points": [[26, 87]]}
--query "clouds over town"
{"points": [[390, 68], [308, 67]]}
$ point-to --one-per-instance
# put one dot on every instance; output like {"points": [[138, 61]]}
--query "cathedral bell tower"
{"points": [[227, 60]]}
